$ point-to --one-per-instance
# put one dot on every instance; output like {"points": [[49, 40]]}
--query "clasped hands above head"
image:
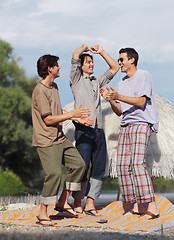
{"points": [[94, 49]]}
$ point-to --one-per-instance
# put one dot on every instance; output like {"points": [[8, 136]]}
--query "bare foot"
{"points": [[66, 208], [90, 208], [150, 215], [43, 218], [152, 211], [79, 211], [132, 212], [138, 209], [92, 212]]}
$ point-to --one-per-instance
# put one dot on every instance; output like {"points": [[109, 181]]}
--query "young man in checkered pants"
{"points": [[135, 101]]}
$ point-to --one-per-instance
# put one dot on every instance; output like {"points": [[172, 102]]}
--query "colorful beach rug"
{"points": [[113, 213]]}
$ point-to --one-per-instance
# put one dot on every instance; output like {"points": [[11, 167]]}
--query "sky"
{"points": [[38, 27]]}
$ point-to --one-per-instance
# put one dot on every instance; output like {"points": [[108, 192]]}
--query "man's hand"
{"points": [[81, 116], [109, 94], [85, 121], [80, 112], [103, 92], [96, 49]]}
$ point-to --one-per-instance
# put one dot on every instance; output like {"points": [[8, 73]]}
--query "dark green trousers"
{"points": [[52, 158]]}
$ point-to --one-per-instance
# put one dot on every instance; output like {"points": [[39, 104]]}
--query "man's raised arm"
{"points": [[79, 51], [97, 49]]}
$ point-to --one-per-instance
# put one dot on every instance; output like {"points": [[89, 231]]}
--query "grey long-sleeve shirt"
{"points": [[86, 90]]}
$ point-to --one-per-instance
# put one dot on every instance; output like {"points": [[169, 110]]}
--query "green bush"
{"points": [[162, 185], [110, 184], [10, 184]]}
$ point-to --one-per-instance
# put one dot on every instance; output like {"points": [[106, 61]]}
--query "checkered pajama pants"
{"points": [[134, 180]]}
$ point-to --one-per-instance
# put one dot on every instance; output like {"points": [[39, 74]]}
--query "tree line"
{"points": [[16, 151]]}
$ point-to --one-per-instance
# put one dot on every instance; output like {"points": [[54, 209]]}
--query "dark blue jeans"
{"points": [[91, 144]]}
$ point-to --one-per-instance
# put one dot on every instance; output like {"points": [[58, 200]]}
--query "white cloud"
{"points": [[9, 35], [147, 26], [65, 7], [169, 48], [9, 3]]}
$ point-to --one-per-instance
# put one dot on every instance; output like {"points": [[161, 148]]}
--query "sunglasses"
{"points": [[120, 60]]}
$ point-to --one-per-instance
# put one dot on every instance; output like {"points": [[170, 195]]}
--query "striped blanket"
{"points": [[113, 213]]}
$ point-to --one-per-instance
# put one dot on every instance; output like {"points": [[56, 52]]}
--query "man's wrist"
{"points": [[70, 115], [102, 52], [117, 97]]}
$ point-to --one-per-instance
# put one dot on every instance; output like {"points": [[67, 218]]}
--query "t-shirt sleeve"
{"points": [[75, 73], [43, 103], [105, 78], [144, 87]]}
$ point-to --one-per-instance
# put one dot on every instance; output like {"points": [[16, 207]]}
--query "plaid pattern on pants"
{"points": [[134, 180]]}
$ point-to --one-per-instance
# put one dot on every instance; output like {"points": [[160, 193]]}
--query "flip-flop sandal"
{"points": [[40, 220], [78, 212], [66, 210], [82, 213], [135, 213], [90, 212], [152, 215]]}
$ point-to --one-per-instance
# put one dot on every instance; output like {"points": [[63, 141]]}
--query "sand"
{"points": [[74, 233]]}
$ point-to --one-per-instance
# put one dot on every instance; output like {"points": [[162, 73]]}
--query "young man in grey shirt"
{"points": [[90, 140]]}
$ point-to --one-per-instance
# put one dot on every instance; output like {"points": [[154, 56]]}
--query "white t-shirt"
{"points": [[140, 84]]}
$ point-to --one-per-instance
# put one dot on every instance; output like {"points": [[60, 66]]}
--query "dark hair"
{"points": [[131, 53], [44, 62], [83, 56]]}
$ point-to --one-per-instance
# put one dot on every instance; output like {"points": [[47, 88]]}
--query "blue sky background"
{"points": [[37, 27]]}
